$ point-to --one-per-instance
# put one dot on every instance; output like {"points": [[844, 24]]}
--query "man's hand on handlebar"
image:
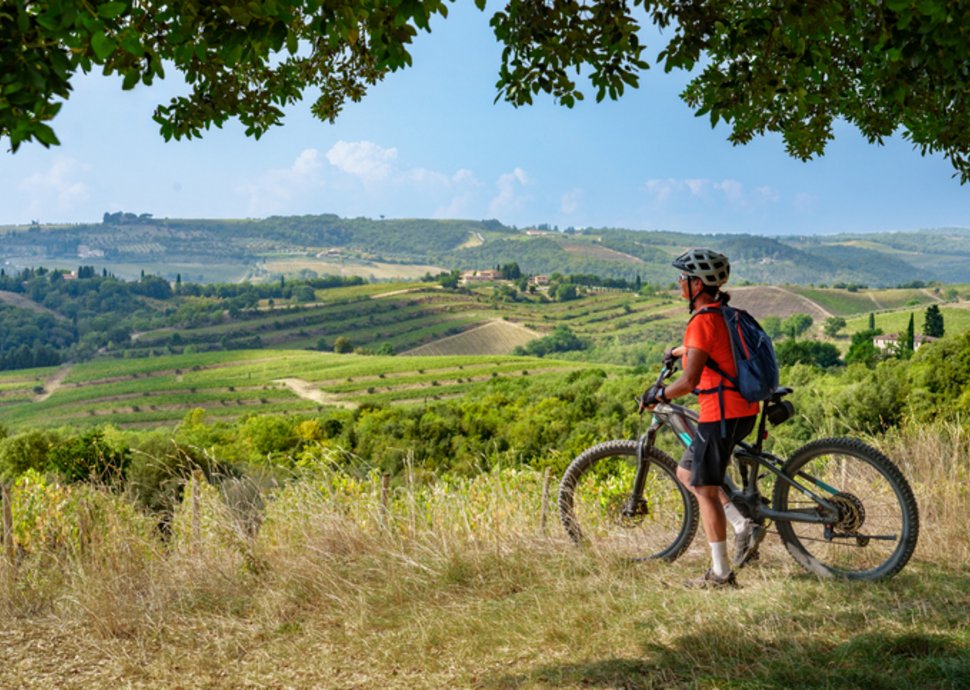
{"points": [[671, 355], [651, 396]]}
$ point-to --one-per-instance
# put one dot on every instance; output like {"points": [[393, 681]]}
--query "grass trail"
{"points": [[456, 585]]}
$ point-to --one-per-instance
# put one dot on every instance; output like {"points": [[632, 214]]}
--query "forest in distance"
{"points": [[52, 316], [212, 250]]}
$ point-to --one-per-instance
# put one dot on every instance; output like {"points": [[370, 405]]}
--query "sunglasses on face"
{"points": [[683, 277]]}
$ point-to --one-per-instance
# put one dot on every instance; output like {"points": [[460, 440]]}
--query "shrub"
{"points": [[812, 352]]}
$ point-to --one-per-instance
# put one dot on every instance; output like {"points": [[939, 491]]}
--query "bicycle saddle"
{"points": [[780, 393]]}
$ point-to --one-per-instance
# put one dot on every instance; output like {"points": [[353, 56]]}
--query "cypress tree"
{"points": [[910, 335], [872, 321], [933, 323]]}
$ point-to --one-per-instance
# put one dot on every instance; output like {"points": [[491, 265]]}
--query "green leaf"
{"points": [[131, 43], [102, 45], [45, 135], [131, 79], [110, 10]]}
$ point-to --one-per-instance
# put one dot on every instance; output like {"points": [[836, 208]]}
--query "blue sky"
{"points": [[430, 142]]}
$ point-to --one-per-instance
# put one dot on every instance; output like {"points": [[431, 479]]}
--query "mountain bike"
{"points": [[841, 507]]}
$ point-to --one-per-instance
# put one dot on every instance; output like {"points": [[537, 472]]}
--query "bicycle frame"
{"points": [[751, 458]]}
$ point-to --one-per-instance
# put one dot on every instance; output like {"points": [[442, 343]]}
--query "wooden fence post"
{"points": [[7, 525], [545, 499], [386, 500], [196, 527]]}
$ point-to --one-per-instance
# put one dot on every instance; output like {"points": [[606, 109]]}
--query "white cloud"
{"points": [[423, 176], [275, 189], [662, 190], [697, 187], [766, 194], [570, 201], [463, 188], [361, 177], [57, 189], [306, 164], [732, 189], [509, 199], [363, 159], [465, 176]]}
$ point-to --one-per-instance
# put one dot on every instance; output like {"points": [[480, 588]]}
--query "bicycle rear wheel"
{"points": [[597, 486], [878, 520]]}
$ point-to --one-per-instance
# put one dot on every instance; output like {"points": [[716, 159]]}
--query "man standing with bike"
{"points": [[725, 416]]}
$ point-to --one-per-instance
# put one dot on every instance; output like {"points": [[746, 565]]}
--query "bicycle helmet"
{"points": [[711, 267]]}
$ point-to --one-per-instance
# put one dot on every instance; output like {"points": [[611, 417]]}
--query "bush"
{"points": [[562, 339], [811, 352], [25, 451]]}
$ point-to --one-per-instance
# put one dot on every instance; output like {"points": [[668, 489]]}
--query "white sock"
{"points": [[721, 565], [734, 516]]}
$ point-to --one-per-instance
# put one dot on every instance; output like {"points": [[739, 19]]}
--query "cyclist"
{"points": [[702, 468]]}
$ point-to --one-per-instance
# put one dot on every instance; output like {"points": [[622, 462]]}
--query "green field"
{"points": [[162, 376], [160, 390], [955, 320], [406, 316]]}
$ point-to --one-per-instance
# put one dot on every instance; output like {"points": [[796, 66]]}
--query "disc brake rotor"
{"points": [[631, 519]]}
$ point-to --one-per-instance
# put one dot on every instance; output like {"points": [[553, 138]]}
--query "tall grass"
{"points": [[335, 579]]}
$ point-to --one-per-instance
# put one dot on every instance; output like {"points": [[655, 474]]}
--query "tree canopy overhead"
{"points": [[784, 66]]}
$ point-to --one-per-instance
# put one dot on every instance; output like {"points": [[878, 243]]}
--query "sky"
{"points": [[430, 142]]}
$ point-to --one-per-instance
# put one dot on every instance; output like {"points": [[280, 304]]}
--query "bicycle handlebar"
{"points": [[666, 371]]}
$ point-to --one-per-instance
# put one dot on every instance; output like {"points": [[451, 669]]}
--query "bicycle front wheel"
{"points": [[596, 488], [877, 522]]}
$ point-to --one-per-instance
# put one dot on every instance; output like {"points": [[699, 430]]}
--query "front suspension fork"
{"points": [[636, 504]]}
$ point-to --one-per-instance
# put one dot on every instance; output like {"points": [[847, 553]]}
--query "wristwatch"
{"points": [[662, 395]]}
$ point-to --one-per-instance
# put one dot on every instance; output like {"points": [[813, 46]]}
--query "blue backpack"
{"points": [[754, 359]]}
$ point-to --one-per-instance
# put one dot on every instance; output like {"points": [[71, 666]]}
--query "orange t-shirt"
{"points": [[707, 332]]}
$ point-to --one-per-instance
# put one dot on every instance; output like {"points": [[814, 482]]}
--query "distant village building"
{"points": [[86, 252], [484, 276], [534, 232], [333, 251], [539, 281], [891, 340]]}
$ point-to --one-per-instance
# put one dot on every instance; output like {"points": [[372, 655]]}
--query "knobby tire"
{"points": [[596, 486], [876, 499]]}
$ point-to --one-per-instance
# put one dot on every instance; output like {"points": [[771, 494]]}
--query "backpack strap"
{"points": [[716, 368]]}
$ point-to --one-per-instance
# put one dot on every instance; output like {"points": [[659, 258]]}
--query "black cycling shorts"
{"points": [[708, 456]]}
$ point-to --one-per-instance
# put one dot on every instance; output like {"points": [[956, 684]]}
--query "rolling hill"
{"points": [[457, 341], [205, 250]]}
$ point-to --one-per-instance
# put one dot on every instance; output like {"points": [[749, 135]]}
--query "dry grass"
{"points": [[455, 585]]}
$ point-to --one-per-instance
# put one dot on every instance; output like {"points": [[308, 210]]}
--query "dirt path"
{"points": [[307, 391], [404, 291], [53, 383]]}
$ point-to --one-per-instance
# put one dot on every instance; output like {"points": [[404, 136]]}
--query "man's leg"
{"points": [[715, 527], [712, 512], [713, 520], [683, 474]]}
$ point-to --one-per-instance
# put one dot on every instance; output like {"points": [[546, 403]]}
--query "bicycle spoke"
{"points": [[873, 523], [594, 505]]}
